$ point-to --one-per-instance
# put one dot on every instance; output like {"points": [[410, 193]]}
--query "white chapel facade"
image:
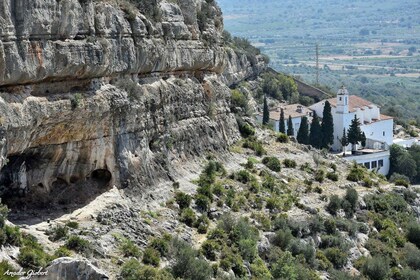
{"points": [[377, 127]]}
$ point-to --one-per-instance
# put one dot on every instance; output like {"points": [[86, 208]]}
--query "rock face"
{"points": [[72, 269], [94, 93]]}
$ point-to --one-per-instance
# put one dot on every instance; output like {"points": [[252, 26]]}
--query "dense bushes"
{"points": [[272, 163], [376, 268], [133, 270], [413, 233]]}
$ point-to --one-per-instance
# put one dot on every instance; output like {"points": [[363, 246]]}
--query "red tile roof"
{"points": [[354, 103], [290, 110]]}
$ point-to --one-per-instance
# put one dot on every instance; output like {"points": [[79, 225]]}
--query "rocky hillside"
{"points": [[96, 93]]}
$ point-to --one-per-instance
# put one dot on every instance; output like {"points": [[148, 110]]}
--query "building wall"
{"points": [[371, 159], [380, 131]]}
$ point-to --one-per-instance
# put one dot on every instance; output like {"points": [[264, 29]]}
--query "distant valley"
{"points": [[371, 46]]}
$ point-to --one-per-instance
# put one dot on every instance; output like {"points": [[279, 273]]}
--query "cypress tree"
{"points": [[303, 133], [344, 141], [327, 127], [354, 134], [290, 131], [266, 113], [315, 133], [282, 126]]}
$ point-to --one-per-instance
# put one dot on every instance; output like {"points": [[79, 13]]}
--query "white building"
{"points": [[378, 128], [295, 111]]}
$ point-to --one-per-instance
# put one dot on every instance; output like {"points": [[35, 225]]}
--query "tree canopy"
{"points": [[327, 127], [290, 131], [303, 133], [355, 134], [282, 125], [315, 132], [266, 113]]}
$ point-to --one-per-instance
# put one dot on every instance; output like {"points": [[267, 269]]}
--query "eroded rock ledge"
{"points": [[95, 93]]}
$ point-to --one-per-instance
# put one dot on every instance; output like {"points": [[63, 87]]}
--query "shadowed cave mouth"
{"points": [[61, 197]]}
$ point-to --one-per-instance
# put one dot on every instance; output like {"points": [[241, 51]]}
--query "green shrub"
{"points": [[78, 244], [248, 249], [32, 255], [413, 233], [259, 270], [246, 130], [334, 204], [282, 138], [129, 248], [255, 145], [273, 204], [289, 163], [376, 268], [233, 261], [336, 256], [72, 224], [133, 270], [206, 191], [316, 224], [13, 235], [62, 252], [243, 176], [238, 99], [202, 224], [367, 182], [297, 247], [329, 241], [320, 175], [218, 189], [183, 200], [58, 232], [332, 176], [161, 244], [186, 263], [352, 197], [323, 262], [408, 274], [4, 267], [357, 173], [400, 180], [209, 249], [151, 256], [202, 202], [272, 163], [188, 217], [412, 256], [330, 226]]}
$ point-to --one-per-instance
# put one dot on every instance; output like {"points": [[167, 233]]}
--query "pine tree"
{"points": [[303, 133], [290, 131], [282, 126], [266, 113], [327, 127], [344, 141], [315, 133], [354, 135]]}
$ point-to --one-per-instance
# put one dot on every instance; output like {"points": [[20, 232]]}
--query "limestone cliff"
{"points": [[94, 93]]}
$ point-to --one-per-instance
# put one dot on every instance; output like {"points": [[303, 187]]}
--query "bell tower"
{"points": [[342, 101]]}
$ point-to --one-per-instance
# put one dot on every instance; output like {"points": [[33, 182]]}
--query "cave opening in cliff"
{"points": [[32, 196], [101, 176]]}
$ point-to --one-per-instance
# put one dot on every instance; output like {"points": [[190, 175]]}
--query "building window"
{"points": [[340, 98], [367, 165], [374, 164], [383, 133], [381, 163]]}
